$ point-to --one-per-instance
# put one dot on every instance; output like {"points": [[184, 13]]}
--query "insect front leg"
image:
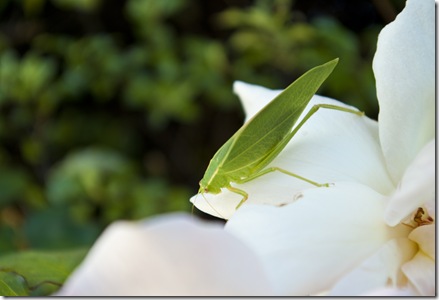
{"points": [[240, 192]]}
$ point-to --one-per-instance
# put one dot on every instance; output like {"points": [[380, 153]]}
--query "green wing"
{"points": [[256, 139]]}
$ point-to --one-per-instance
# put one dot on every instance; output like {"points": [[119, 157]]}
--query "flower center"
{"points": [[421, 217]]}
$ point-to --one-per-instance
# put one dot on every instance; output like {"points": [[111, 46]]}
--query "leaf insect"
{"points": [[246, 154]]}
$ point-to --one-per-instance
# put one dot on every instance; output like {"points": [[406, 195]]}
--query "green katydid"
{"points": [[247, 153]]}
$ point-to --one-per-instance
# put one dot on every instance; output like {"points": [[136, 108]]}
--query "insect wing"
{"points": [[256, 139]]}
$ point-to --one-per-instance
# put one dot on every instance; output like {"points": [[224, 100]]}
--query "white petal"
{"points": [[332, 146], [421, 273], [309, 245], [416, 187], [381, 270], [253, 97], [337, 146], [173, 255], [425, 236], [393, 292], [404, 68], [222, 205]]}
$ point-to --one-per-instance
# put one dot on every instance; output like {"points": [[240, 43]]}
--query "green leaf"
{"points": [[12, 285], [37, 273]]}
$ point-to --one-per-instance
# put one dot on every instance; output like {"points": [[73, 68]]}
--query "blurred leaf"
{"points": [[86, 174], [24, 79], [7, 236], [12, 284], [35, 268], [44, 289], [56, 227], [83, 5], [155, 195], [33, 7], [141, 10], [13, 183]]}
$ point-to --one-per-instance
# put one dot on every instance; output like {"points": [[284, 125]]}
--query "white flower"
{"points": [[374, 228], [171, 255]]}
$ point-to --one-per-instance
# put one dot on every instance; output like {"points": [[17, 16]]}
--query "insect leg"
{"points": [[240, 192], [260, 170], [315, 108], [282, 145], [285, 141], [272, 169]]}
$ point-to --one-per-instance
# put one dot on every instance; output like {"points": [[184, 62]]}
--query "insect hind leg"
{"points": [[281, 146], [273, 169], [316, 107], [308, 115], [286, 140]]}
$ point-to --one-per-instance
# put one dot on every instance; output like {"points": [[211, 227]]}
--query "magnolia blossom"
{"points": [[374, 227], [370, 233]]}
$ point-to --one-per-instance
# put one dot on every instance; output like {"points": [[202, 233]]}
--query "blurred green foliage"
{"points": [[36, 273], [111, 109]]}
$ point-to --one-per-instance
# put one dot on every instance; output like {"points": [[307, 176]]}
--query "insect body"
{"points": [[246, 154]]}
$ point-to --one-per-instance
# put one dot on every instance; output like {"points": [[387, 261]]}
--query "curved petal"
{"points": [[393, 292], [416, 188], [173, 255], [331, 146], [425, 236], [404, 68], [253, 97], [381, 270], [307, 246], [421, 273]]}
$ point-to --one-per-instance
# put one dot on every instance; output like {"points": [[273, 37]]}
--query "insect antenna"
{"points": [[208, 203]]}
